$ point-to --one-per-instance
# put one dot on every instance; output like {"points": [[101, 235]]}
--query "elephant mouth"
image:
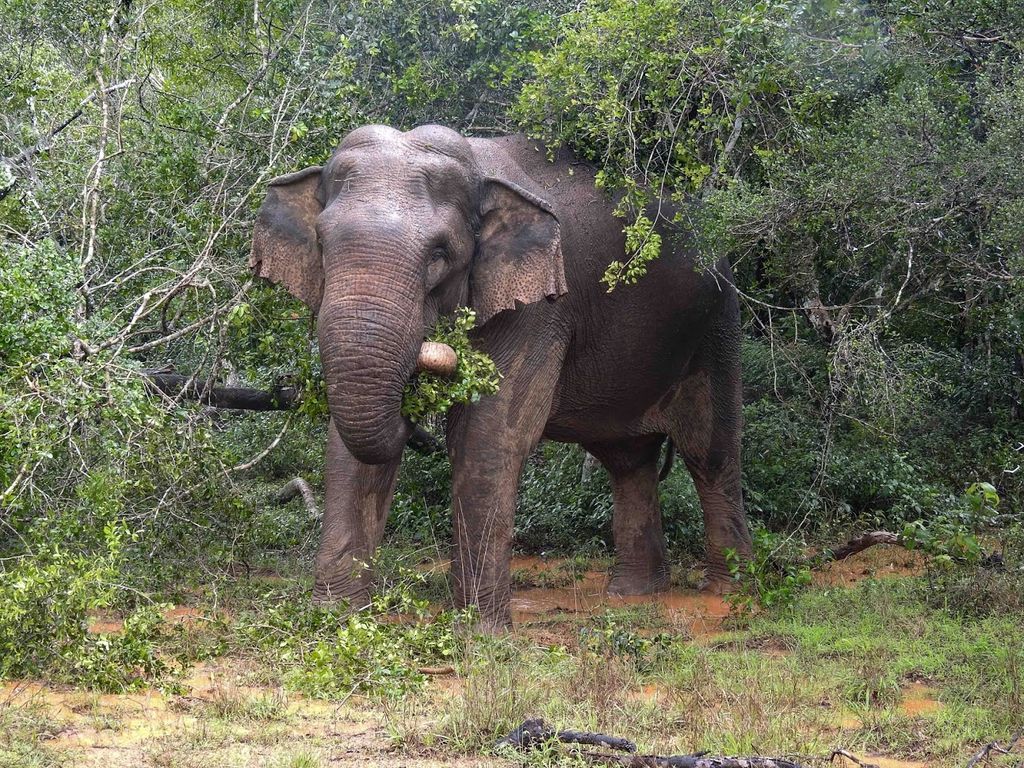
{"points": [[437, 358]]}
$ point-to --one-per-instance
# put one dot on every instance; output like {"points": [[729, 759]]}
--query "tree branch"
{"points": [[45, 142], [859, 544], [298, 487], [280, 398], [533, 733]]}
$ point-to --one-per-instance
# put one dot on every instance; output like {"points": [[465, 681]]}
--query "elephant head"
{"points": [[394, 231]]}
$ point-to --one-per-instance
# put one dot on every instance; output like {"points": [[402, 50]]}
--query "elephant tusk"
{"points": [[437, 358]]}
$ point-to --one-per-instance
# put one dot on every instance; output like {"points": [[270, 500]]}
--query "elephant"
{"points": [[399, 229]]}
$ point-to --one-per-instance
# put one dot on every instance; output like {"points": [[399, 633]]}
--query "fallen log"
{"points": [[280, 398], [859, 544], [688, 761], [533, 733]]}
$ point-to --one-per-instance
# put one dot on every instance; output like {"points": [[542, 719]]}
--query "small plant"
{"points": [[475, 375], [329, 653], [609, 639], [772, 576], [950, 539]]}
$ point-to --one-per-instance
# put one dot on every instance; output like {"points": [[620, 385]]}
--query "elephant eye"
{"points": [[437, 267]]}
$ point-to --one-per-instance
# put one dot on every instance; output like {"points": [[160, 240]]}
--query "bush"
{"points": [[421, 509], [328, 652], [45, 602]]}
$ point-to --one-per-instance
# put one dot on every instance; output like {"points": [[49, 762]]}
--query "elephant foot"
{"points": [[356, 599], [718, 582], [493, 625], [625, 584]]}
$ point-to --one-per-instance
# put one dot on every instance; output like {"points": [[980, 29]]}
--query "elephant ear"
{"points": [[285, 249], [519, 251]]}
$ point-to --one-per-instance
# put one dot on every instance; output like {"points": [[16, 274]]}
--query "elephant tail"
{"points": [[666, 467]]}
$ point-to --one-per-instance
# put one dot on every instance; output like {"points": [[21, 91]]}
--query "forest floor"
{"points": [[863, 661]]}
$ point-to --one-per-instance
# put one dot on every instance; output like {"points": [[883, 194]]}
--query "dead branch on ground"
{"points": [[858, 544], [994, 747], [533, 733], [298, 487], [851, 757]]}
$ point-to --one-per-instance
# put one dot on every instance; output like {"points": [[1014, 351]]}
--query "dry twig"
{"points": [[988, 749]]}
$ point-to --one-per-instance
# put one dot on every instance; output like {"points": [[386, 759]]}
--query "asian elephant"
{"points": [[399, 228]]}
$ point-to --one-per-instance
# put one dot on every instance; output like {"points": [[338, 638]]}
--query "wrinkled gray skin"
{"points": [[399, 228]]}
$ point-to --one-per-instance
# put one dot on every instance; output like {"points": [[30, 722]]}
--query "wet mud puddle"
{"points": [[573, 595]]}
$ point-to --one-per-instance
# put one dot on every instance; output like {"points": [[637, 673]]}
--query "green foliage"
{"points": [[643, 245], [124, 241], [840, 157], [867, 159], [558, 509], [561, 507], [36, 303], [773, 576], [329, 652], [45, 605], [420, 510], [475, 375], [608, 638], [951, 539], [990, 588]]}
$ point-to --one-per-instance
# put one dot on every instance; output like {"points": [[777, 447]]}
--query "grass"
{"points": [[24, 731], [833, 669]]}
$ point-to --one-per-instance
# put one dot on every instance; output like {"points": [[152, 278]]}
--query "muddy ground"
{"points": [[235, 712]]}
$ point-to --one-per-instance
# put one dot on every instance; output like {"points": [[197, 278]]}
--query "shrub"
{"points": [[328, 652], [558, 509], [45, 602], [773, 576], [420, 511]]}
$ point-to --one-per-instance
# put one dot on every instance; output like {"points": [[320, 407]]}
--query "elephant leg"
{"points": [[707, 437], [488, 443], [355, 510], [640, 563]]}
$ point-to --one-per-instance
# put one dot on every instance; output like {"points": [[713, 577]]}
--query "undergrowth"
{"points": [[45, 606]]}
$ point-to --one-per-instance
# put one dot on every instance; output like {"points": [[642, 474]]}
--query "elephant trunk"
{"points": [[369, 344]]}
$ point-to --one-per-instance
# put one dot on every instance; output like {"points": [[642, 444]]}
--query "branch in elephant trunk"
{"points": [[280, 398], [437, 358], [297, 486]]}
